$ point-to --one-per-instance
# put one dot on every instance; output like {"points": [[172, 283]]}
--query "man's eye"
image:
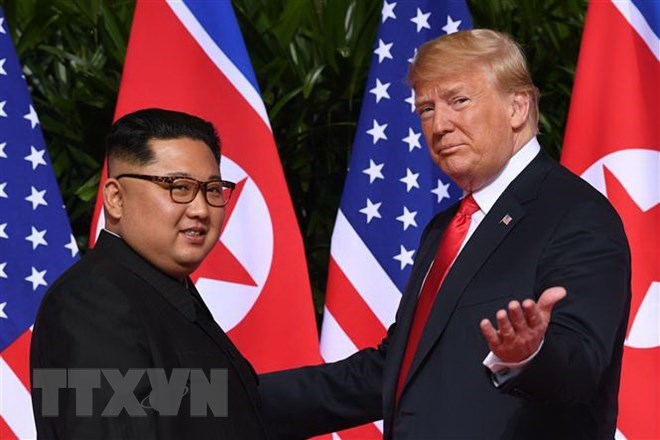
{"points": [[181, 186], [424, 110], [215, 189]]}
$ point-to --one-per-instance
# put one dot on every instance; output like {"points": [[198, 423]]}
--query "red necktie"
{"points": [[447, 251]]}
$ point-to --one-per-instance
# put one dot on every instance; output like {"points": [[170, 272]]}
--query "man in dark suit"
{"points": [[531, 246], [129, 304]]}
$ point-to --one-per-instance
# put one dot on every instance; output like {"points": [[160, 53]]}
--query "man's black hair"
{"points": [[129, 136]]}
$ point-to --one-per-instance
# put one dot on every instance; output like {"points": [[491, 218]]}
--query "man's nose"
{"points": [[442, 121], [198, 206]]}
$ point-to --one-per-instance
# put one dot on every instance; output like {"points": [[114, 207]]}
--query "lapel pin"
{"points": [[506, 220]]}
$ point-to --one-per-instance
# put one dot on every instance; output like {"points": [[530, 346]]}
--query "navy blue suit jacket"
{"points": [[563, 233]]}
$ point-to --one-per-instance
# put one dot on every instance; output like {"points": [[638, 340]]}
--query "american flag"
{"points": [[36, 244], [613, 141], [392, 188]]}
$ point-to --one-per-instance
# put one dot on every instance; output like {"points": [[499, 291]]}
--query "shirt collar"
{"points": [[488, 195], [112, 233]]}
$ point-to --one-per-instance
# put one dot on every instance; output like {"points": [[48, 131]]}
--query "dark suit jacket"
{"points": [[114, 310], [563, 233]]}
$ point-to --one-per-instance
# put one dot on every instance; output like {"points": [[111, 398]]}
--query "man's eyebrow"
{"points": [[444, 94], [186, 174]]}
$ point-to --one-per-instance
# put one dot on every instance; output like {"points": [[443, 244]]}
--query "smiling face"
{"points": [[173, 237], [471, 128]]}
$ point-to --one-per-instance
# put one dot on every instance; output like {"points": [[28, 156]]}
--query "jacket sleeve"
{"points": [[308, 401], [588, 255]]}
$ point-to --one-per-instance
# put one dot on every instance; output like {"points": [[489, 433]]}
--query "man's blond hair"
{"points": [[464, 51]]}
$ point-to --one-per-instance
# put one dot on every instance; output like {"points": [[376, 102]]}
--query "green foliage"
{"points": [[311, 58]]}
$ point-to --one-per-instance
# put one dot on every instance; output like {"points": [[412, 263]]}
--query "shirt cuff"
{"points": [[504, 371]]}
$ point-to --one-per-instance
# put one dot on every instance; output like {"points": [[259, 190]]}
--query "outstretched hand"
{"points": [[521, 330]]}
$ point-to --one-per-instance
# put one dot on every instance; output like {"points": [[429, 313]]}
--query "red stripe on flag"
{"points": [[17, 356], [5, 431], [364, 432], [351, 311]]}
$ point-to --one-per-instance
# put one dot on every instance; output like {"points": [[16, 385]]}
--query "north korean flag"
{"points": [[613, 141]]}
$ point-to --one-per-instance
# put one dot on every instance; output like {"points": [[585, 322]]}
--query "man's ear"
{"points": [[113, 199], [520, 103]]}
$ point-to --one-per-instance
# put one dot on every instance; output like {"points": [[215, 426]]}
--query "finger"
{"points": [[517, 317], [532, 313], [490, 334], [550, 297], [505, 329]]}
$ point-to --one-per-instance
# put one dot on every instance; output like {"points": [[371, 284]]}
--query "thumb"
{"points": [[550, 297]]}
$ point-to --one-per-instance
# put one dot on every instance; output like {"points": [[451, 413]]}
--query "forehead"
{"points": [[466, 81], [182, 154]]}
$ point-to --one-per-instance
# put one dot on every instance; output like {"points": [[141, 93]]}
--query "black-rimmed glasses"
{"points": [[184, 189]]}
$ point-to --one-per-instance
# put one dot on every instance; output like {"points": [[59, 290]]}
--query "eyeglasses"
{"points": [[184, 189]]}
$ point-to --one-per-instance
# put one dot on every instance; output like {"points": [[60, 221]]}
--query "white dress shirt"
{"points": [[486, 198]]}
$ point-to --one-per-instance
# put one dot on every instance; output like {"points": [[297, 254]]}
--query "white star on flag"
{"points": [[411, 100], [451, 26], [37, 278], [380, 91], [3, 194], [72, 246], [32, 117], [378, 132], [374, 171], [37, 238], [36, 198], [387, 11], [3, 274], [412, 140], [2, 150], [410, 180], [2, 26], [2, 109], [442, 190], [3, 234], [3, 315], [371, 210], [36, 157], [421, 20], [407, 218], [2, 66], [411, 59], [405, 257], [383, 50]]}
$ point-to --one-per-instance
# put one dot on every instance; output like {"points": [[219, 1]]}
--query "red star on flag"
{"points": [[642, 231]]}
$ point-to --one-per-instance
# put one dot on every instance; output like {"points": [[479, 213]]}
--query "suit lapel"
{"points": [[503, 217]]}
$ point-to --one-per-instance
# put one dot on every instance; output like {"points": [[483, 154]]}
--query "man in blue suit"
{"points": [[532, 247]]}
